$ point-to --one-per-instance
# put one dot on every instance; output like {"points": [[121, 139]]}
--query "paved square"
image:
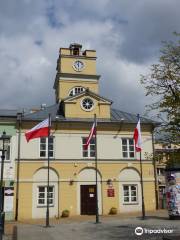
{"points": [[110, 228]]}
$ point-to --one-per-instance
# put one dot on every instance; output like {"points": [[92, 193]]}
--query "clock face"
{"points": [[78, 65]]}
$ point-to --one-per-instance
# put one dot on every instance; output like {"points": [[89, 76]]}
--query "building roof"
{"points": [[8, 113], [118, 115], [57, 115], [43, 113]]}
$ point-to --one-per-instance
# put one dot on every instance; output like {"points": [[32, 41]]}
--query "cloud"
{"points": [[149, 24], [127, 38]]}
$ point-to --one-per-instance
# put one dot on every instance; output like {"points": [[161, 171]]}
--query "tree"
{"points": [[163, 83]]}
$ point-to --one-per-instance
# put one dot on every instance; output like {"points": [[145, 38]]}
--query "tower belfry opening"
{"points": [[75, 48]]}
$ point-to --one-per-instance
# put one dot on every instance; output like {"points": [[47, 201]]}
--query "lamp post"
{"points": [[4, 138]]}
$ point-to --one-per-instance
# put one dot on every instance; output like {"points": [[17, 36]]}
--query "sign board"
{"points": [[110, 192], [8, 199]]}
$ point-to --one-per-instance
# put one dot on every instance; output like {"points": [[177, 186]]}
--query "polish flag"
{"points": [[137, 136], [40, 130], [91, 134]]}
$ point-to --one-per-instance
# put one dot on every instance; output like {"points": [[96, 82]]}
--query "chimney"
{"points": [[43, 106]]}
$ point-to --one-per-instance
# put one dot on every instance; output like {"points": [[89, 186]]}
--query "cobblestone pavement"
{"points": [[119, 227]]}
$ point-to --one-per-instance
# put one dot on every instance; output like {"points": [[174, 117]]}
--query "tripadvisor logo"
{"points": [[139, 231]]}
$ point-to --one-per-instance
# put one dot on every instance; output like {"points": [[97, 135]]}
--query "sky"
{"points": [[126, 34]]}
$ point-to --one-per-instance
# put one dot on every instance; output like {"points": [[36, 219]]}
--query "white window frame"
{"points": [[130, 194], [88, 149], [9, 145], [46, 148], [45, 196], [128, 148], [76, 90]]}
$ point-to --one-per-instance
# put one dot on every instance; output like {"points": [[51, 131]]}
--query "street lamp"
{"points": [[4, 140]]}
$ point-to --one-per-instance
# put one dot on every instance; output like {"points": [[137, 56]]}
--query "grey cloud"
{"points": [[150, 24], [126, 36]]}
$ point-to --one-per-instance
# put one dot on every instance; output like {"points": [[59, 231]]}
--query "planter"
{"points": [[113, 211], [65, 213]]}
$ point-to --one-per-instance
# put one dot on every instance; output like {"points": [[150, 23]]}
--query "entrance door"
{"points": [[88, 199]]}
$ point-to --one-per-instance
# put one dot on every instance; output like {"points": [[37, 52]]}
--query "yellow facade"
{"points": [[68, 193], [66, 86], [74, 109], [70, 171]]}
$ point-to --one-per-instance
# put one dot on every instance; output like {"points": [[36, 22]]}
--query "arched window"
{"points": [[76, 90]]}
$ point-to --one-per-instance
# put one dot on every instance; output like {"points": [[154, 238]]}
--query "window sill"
{"points": [[45, 206], [136, 203]]}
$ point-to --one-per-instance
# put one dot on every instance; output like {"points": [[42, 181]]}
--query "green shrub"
{"points": [[65, 213]]}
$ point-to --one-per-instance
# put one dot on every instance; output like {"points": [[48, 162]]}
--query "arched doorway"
{"points": [[129, 190], [86, 192], [39, 196]]}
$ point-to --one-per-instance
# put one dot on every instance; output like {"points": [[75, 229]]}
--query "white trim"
{"points": [[84, 160], [40, 179], [77, 79], [88, 150], [127, 138], [129, 196], [68, 180], [45, 196], [46, 150]]}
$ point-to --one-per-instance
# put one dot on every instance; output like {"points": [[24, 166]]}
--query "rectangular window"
{"points": [[90, 151], [42, 196], [44, 147], [7, 150], [130, 193], [128, 148], [161, 171]]}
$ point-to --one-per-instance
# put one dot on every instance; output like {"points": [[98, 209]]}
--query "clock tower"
{"points": [[76, 71], [77, 84]]}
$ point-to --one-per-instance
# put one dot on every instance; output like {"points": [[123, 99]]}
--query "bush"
{"points": [[65, 213], [113, 211]]}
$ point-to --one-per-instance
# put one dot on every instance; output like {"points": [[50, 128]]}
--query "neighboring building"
{"points": [[164, 154], [8, 124], [72, 169]]}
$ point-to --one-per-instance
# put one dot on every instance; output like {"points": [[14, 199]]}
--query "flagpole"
{"points": [[97, 208], [141, 177], [142, 189], [19, 119], [47, 209]]}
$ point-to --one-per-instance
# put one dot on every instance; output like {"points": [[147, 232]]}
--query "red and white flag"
{"points": [[91, 134], [137, 136], [40, 130]]}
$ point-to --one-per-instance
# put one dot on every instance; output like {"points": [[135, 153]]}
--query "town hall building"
{"points": [[72, 168]]}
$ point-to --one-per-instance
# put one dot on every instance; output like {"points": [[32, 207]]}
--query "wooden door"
{"points": [[88, 199]]}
